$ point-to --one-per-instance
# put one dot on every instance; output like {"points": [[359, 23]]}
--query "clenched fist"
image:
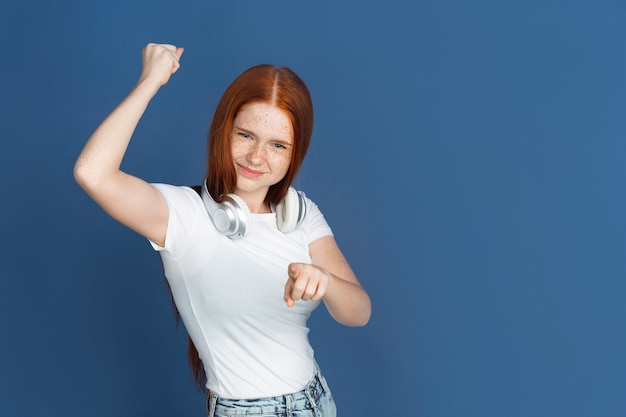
{"points": [[159, 62]]}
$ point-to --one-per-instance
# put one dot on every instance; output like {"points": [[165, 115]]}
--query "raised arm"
{"points": [[128, 199]]}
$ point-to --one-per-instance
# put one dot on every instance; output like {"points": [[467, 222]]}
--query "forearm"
{"points": [[102, 155], [330, 275], [347, 302]]}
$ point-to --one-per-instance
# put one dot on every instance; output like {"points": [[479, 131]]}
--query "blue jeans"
{"points": [[315, 400]]}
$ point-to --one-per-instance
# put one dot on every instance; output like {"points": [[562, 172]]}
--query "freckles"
{"points": [[265, 121], [271, 121]]}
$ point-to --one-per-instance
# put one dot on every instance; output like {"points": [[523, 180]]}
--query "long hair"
{"points": [[278, 86]]}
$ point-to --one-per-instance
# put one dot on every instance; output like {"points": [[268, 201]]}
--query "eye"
{"points": [[279, 146], [245, 135]]}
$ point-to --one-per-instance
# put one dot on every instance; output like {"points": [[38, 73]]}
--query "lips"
{"points": [[250, 172]]}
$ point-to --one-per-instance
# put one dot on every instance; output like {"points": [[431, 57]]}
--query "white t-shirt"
{"points": [[230, 296]]}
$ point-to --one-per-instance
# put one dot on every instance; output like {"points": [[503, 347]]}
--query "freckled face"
{"points": [[261, 145]]}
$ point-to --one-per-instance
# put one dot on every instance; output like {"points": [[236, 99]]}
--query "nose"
{"points": [[256, 153]]}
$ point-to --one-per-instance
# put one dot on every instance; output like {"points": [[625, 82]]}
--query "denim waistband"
{"points": [[305, 399]]}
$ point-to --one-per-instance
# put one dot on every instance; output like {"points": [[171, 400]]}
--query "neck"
{"points": [[255, 202]]}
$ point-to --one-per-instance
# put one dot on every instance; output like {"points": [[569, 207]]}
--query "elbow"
{"points": [[359, 321], [366, 319], [359, 317], [86, 176], [81, 175], [366, 313], [363, 318]]}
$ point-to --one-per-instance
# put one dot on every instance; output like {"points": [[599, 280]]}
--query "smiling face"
{"points": [[261, 145]]}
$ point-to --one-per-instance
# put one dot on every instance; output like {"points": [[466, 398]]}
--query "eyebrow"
{"points": [[251, 133]]}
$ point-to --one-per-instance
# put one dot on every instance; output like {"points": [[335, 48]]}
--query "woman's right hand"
{"points": [[160, 61]]}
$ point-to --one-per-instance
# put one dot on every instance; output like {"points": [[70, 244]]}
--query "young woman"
{"points": [[247, 258]]}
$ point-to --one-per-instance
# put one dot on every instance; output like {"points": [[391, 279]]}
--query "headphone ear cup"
{"points": [[290, 211], [233, 216]]}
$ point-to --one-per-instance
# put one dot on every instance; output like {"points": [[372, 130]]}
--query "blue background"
{"points": [[468, 155]]}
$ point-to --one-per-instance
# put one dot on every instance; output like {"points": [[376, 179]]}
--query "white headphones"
{"points": [[233, 219]]}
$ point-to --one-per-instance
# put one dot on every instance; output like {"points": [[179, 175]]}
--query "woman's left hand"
{"points": [[306, 282]]}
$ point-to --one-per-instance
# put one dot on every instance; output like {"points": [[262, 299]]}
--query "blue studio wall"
{"points": [[468, 155]]}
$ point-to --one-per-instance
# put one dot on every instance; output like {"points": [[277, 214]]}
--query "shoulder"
{"points": [[174, 190], [314, 222], [178, 196], [185, 211], [310, 205]]}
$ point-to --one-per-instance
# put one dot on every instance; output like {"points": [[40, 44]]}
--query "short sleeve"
{"points": [[184, 207], [314, 223]]}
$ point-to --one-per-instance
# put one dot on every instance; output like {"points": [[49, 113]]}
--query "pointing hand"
{"points": [[305, 282]]}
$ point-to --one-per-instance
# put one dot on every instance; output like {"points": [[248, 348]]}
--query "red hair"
{"points": [[280, 87]]}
